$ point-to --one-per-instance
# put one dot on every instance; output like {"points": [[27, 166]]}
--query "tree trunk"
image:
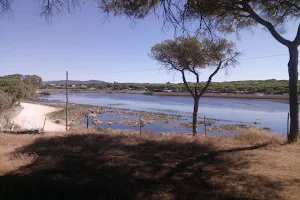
{"points": [[293, 93], [195, 115]]}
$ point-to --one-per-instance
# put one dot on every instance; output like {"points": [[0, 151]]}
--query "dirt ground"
{"points": [[33, 116], [114, 164]]}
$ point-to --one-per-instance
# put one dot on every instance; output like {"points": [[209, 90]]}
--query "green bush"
{"points": [[17, 88], [6, 101]]}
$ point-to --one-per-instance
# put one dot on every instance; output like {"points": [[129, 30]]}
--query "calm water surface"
{"points": [[269, 114]]}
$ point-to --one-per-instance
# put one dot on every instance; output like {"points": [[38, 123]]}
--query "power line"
{"points": [[151, 69], [124, 71], [67, 100], [264, 57]]}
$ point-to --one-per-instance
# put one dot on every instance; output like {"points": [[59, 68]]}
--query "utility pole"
{"points": [[67, 100], [204, 122]]}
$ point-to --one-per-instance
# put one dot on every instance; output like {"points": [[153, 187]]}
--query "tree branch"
{"points": [[292, 4], [265, 23], [186, 84], [209, 79], [197, 84], [297, 39], [197, 81]]}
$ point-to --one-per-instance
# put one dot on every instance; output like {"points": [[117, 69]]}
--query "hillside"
{"points": [[75, 82]]}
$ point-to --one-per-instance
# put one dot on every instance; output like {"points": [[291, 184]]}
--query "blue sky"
{"points": [[116, 50]]}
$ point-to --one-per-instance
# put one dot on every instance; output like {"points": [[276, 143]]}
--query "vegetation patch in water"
{"points": [[116, 104], [208, 122], [77, 112], [233, 128], [133, 123]]}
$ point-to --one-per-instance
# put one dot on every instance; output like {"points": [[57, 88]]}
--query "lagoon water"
{"points": [[269, 114]]}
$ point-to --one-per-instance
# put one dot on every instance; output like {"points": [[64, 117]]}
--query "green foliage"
{"points": [[229, 16], [180, 53], [135, 8], [190, 54], [6, 101], [13, 76], [213, 16], [16, 87], [27, 79], [32, 80]]}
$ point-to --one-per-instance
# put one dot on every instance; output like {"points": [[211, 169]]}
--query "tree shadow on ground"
{"points": [[102, 166]]}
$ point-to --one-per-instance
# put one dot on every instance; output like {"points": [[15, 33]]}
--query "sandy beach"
{"points": [[32, 117]]}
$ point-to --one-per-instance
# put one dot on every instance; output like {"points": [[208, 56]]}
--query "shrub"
{"points": [[6, 101]]}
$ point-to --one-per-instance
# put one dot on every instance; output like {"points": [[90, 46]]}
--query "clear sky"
{"points": [[116, 50]]}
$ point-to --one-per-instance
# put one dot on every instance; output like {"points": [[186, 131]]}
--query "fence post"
{"points": [[87, 120], [287, 125], [204, 125], [7, 121], [140, 125], [44, 124], [13, 126]]}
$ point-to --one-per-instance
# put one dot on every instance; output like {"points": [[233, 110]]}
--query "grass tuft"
{"points": [[255, 136]]}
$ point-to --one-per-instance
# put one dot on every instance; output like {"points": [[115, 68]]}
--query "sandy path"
{"points": [[33, 116]]}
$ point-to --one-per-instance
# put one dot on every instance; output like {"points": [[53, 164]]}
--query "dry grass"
{"points": [[254, 136], [121, 165], [10, 159]]}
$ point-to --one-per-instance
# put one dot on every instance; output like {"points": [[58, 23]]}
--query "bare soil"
{"points": [[33, 117]]}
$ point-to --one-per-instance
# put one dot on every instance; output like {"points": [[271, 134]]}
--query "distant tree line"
{"points": [[266, 87], [271, 86]]}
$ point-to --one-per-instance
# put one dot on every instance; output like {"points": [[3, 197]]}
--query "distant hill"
{"points": [[75, 82]]}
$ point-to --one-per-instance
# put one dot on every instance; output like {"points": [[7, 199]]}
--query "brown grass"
{"points": [[121, 165]]}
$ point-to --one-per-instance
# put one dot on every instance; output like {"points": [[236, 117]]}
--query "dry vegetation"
{"points": [[120, 165]]}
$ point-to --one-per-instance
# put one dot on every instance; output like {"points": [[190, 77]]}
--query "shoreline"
{"points": [[182, 94], [127, 119]]}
